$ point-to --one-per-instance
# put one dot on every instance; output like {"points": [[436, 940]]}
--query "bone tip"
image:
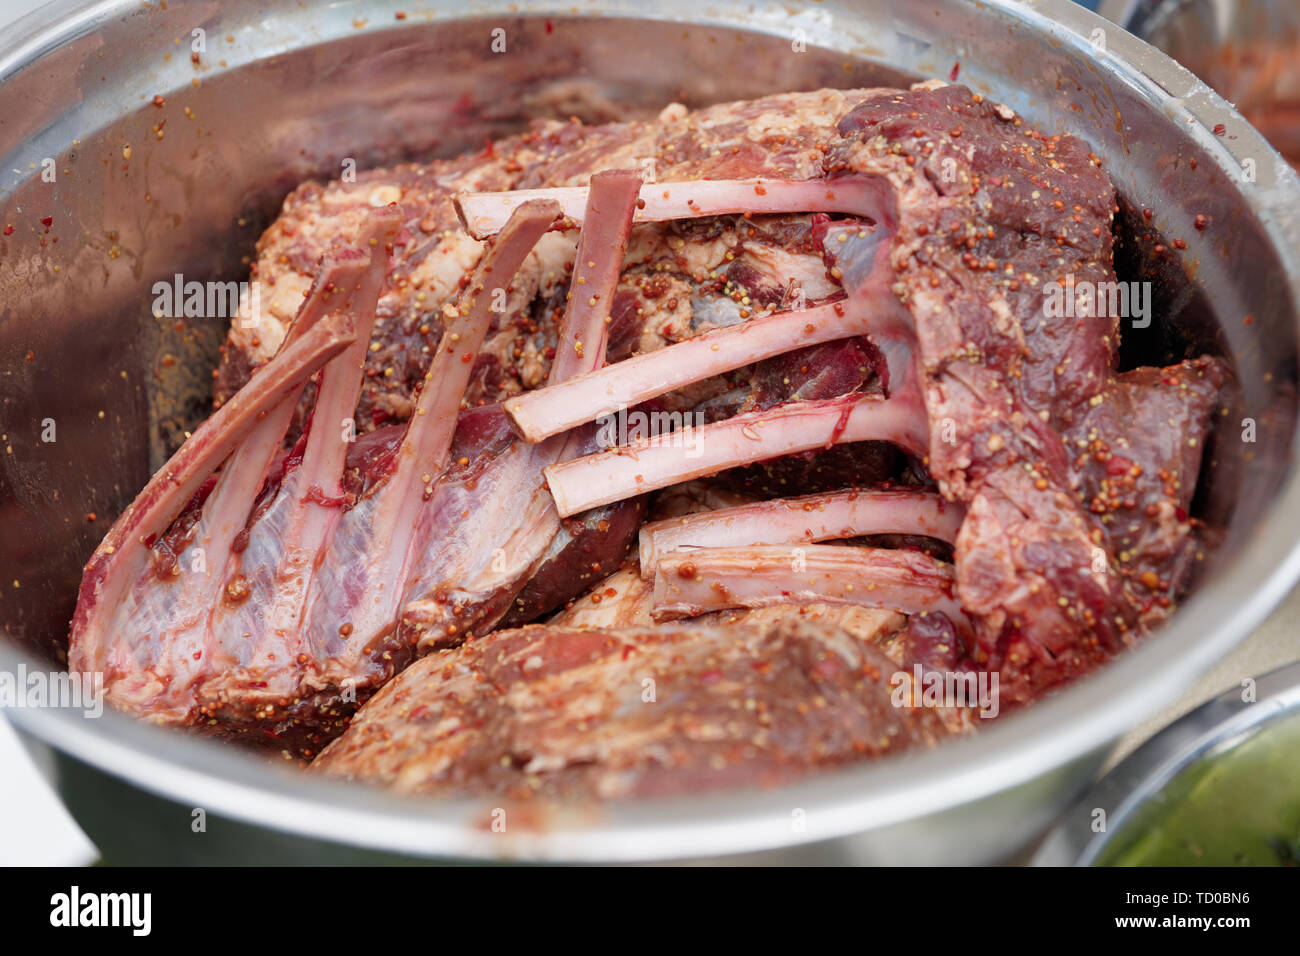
{"points": [[472, 224], [516, 410]]}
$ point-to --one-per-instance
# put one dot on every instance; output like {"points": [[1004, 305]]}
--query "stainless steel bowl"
{"points": [[1245, 51], [1232, 733], [287, 91]]}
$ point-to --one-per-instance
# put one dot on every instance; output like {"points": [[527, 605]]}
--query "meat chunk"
{"points": [[1138, 452], [622, 600], [849, 289], [563, 712], [213, 604], [983, 218], [678, 279], [345, 565], [990, 214]]}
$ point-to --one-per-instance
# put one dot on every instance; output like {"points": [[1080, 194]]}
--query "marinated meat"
{"points": [[819, 336], [564, 712]]}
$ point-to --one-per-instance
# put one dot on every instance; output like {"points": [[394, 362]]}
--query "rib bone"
{"points": [[479, 554], [484, 214], [547, 411], [122, 556], [602, 245], [713, 579], [870, 306], [359, 589], [664, 460], [802, 520]]}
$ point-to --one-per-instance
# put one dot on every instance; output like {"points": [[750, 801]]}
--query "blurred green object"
{"points": [[1237, 806]]}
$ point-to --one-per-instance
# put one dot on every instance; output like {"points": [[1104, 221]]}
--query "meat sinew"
{"points": [[809, 361]]}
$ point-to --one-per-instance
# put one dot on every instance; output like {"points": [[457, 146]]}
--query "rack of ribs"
{"points": [[868, 446]]}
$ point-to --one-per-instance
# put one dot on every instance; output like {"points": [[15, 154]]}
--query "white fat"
{"points": [[673, 113], [808, 270], [438, 274]]}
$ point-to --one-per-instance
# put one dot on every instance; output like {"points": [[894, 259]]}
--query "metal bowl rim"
{"points": [[1130, 785]]}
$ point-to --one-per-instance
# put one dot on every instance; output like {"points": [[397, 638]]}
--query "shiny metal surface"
{"points": [[1126, 790], [1193, 30], [286, 91], [1246, 51]]}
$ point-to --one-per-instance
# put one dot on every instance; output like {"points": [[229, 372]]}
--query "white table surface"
{"points": [[36, 830]]}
